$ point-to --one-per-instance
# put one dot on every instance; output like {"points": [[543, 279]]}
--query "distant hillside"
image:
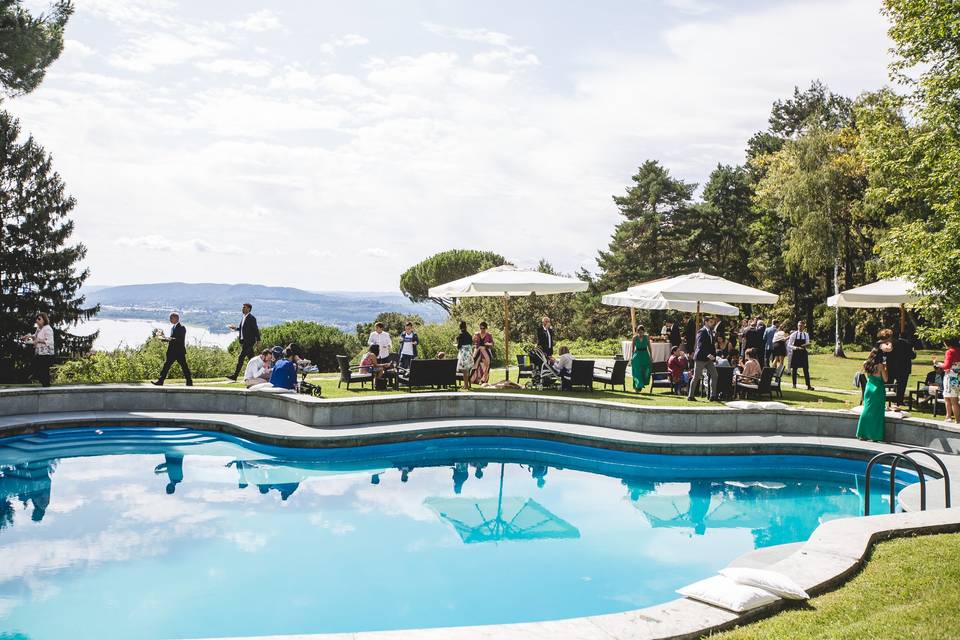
{"points": [[213, 305]]}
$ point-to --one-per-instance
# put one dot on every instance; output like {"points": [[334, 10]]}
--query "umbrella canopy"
{"points": [[702, 287], [628, 299], [887, 293], [507, 280]]}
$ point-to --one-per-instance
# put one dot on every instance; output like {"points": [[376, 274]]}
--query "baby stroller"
{"points": [[305, 387], [543, 375]]}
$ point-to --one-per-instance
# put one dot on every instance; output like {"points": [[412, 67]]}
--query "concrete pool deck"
{"points": [[835, 550]]}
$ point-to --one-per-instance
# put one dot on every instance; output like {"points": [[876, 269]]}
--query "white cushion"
{"points": [[772, 581], [266, 387], [771, 405], [725, 593]]}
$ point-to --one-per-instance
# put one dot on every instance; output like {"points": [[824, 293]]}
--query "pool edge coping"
{"points": [[835, 550]]}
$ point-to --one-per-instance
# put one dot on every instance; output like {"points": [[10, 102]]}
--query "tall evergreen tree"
{"points": [[641, 247], [38, 268]]}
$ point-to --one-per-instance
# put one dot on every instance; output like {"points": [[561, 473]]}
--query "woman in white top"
{"points": [[43, 349]]}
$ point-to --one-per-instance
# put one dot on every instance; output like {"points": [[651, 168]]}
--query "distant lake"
{"points": [[133, 333]]}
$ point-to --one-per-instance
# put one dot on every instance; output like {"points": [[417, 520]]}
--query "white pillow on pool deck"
{"points": [[269, 388], [723, 592], [772, 581]]}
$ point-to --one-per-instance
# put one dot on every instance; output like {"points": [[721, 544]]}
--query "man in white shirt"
{"points": [[381, 339], [259, 369]]}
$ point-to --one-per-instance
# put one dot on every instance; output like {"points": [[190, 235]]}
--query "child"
{"points": [[677, 367]]}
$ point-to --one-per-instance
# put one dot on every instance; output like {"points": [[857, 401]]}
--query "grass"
{"points": [[831, 377], [910, 588], [659, 398]]}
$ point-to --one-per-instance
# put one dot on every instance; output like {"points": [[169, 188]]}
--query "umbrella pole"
{"points": [[506, 336], [903, 319], [633, 320], [699, 322]]}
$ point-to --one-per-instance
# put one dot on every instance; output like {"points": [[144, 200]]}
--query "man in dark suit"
{"points": [[689, 333], [249, 337], [704, 357], [674, 334], [899, 361], [176, 351], [545, 337]]}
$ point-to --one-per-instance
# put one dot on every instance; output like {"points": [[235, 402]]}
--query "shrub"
{"points": [[319, 343], [133, 364]]}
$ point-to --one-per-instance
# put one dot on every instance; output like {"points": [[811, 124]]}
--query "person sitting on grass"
{"points": [[260, 367]]}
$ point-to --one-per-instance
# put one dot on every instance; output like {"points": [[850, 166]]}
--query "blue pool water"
{"points": [[171, 533]]}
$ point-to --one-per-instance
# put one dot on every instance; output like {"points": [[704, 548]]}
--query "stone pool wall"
{"points": [[701, 419]]}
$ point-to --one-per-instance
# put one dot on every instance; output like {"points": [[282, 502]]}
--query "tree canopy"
{"points": [[445, 267], [29, 44]]}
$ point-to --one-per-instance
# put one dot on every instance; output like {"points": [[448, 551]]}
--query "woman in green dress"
{"points": [[870, 425], [640, 362]]}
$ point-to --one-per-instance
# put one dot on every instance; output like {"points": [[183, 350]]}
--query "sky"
{"points": [[331, 145]]}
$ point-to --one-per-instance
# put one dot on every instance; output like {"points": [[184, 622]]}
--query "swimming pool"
{"points": [[125, 532]]}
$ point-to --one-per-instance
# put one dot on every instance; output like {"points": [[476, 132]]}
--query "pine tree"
{"points": [[38, 268]]}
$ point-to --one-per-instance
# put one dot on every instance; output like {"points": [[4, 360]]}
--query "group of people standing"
{"points": [[275, 367], [772, 345]]}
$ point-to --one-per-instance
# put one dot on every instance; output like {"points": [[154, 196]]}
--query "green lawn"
{"points": [[660, 397], [910, 588], [827, 372]]}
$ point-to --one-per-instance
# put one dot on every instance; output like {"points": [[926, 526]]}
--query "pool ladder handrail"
{"points": [[899, 456]]}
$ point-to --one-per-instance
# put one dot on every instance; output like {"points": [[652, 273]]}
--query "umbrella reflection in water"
{"points": [[500, 518]]}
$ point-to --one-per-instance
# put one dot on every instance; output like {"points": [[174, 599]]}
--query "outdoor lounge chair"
{"points": [[725, 390], [351, 375], [581, 375], [776, 380], [924, 399], [660, 376], [747, 386], [612, 376], [430, 373]]}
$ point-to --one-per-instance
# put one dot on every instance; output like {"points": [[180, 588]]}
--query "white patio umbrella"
{"points": [[701, 288], [507, 281], [882, 294], [659, 303]]}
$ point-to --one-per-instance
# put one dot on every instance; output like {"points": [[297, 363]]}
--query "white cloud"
{"points": [[77, 49], [132, 11], [155, 242], [233, 66], [376, 252], [149, 51], [694, 7], [506, 52], [294, 78], [344, 41], [258, 21], [473, 143]]}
